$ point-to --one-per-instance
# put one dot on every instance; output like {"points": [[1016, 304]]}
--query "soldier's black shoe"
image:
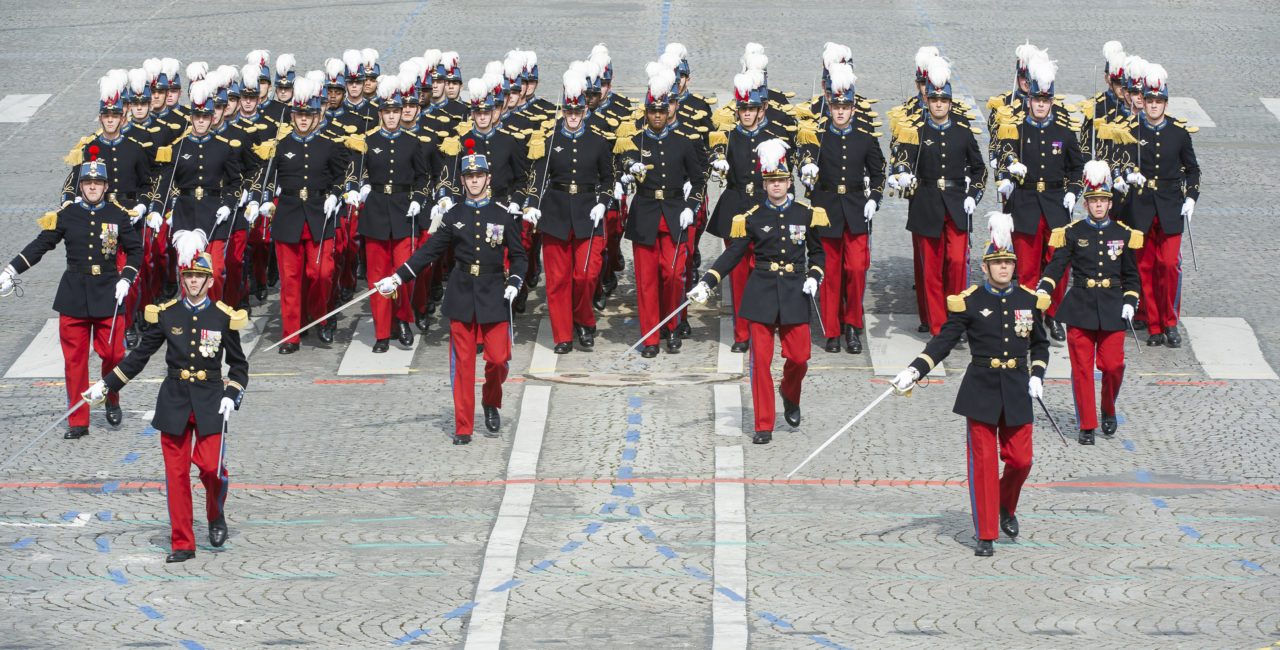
{"points": [[790, 412], [492, 419], [381, 345], [404, 334], [1055, 328], [180, 555], [287, 348], [326, 332], [533, 280], [131, 337], [852, 340], [437, 289], [738, 347], [423, 322], [114, 416], [261, 293], [564, 347], [597, 300], [218, 532], [1155, 340], [984, 548], [459, 439], [1008, 523], [1085, 437], [610, 283], [649, 351], [1109, 424], [76, 432], [273, 275], [684, 329], [1139, 325], [1172, 338], [833, 344], [587, 336], [345, 293], [521, 302], [431, 307], [673, 342], [922, 328], [762, 438]]}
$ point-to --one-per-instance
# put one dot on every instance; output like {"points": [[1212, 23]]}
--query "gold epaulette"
{"points": [[807, 136], [975, 130], [907, 134], [803, 112], [1135, 238], [956, 302], [623, 145], [996, 102], [1058, 237], [451, 146], [234, 143], [537, 148], [76, 156], [151, 313], [349, 128], [718, 138], [819, 219], [709, 100], [1042, 299], [1007, 132], [739, 228], [49, 221], [355, 143], [625, 130], [462, 128], [265, 150], [239, 318]]}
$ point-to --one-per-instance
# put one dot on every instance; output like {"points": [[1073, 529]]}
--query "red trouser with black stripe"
{"points": [[1160, 266], [181, 450], [305, 283], [660, 271], [795, 349], [570, 286], [737, 283], [382, 257], [1090, 348], [228, 268], [944, 270], [462, 368], [76, 336], [844, 281], [988, 489]]}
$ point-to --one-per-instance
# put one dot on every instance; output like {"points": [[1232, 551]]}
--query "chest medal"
{"points": [[1022, 321], [1114, 248], [210, 341], [797, 233], [493, 234], [110, 237]]}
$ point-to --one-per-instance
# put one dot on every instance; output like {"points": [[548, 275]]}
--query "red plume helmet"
{"points": [[93, 152]]}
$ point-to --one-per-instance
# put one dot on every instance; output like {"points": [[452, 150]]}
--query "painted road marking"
{"points": [[1273, 105], [729, 564], [1187, 108], [543, 363], [728, 409], [20, 108], [359, 359], [1227, 348], [43, 357], [892, 342]]}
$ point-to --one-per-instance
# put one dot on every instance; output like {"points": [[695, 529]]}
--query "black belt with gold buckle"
{"points": [[1001, 364]]}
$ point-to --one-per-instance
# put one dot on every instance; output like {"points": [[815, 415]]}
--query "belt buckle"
{"points": [[386, 189], [200, 375], [573, 188], [1106, 283], [995, 363], [95, 270], [475, 270], [841, 189], [199, 193], [942, 183], [1039, 186], [657, 194], [186, 374], [302, 194]]}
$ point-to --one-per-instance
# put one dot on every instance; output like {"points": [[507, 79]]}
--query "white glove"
{"points": [[387, 286], [810, 287], [1126, 312], [809, 169], [445, 203], [636, 168], [122, 290], [869, 210], [331, 204], [509, 294], [1188, 207], [1135, 178], [244, 197], [688, 187], [596, 214], [154, 221], [364, 192], [437, 220], [1119, 185], [6, 279], [137, 213], [625, 179], [1035, 388], [686, 218], [414, 209], [969, 205], [352, 198], [221, 215], [266, 209], [532, 215], [807, 181], [1069, 201], [252, 211], [168, 218], [514, 209], [892, 182], [226, 407], [721, 165], [906, 180], [618, 191], [699, 293], [903, 381], [1005, 188], [96, 393], [1018, 169]]}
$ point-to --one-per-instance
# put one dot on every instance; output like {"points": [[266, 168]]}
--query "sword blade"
{"points": [[819, 313], [1136, 342], [1055, 424], [317, 321], [844, 428], [46, 431], [649, 333], [1192, 240]]}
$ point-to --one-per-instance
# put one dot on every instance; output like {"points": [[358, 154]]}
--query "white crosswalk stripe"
{"points": [[1227, 348], [360, 359], [1273, 105], [1187, 108], [20, 108], [892, 342], [42, 357]]}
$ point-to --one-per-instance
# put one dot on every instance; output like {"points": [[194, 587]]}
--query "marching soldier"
{"points": [[939, 161], [1039, 163], [568, 193], [437, 114], [1110, 104], [1010, 353], [94, 230], [1101, 299], [837, 164], [1018, 100], [490, 265], [661, 162], [530, 101], [193, 405], [782, 236], [277, 109], [694, 109], [612, 110], [446, 88]]}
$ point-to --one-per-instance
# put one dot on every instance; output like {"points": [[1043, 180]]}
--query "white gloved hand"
{"points": [[625, 179], [122, 290], [1018, 169], [688, 187], [352, 198], [531, 215], [1126, 312], [596, 214], [252, 211], [809, 169], [716, 177], [437, 220], [1188, 207], [244, 197], [154, 221], [6, 279], [686, 218], [969, 205], [1119, 185], [96, 393], [514, 209], [1069, 201], [1041, 292], [221, 215], [509, 294], [636, 168], [906, 180], [904, 380], [414, 209], [226, 407], [892, 182], [139, 211], [869, 210], [364, 192], [699, 293], [721, 165], [387, 286], [810, 287], [1135, 178], [266, 209], [79, 199], [1035, 388], [618, 192], [331, 205], [1005, 188], [446, 203]]}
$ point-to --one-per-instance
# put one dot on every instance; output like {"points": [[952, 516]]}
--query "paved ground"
{"points": [[630, 511]]}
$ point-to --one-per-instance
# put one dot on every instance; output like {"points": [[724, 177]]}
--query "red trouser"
{"points": [[844, 281], [462, 368], [303, 282], [532, 241], [1034, 253], [988, 489], [180, 451], [75, 335], [944, 267], [1160, 266], [795, 349], [1087, 349], [350, 250], [614, 221], [259, 251], [659, 281], [569, 287], [228, 256], [156, 261], [382, 258], [737, 283]]}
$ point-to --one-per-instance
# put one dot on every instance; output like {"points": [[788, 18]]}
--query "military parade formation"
{"points": [[269, 176]]}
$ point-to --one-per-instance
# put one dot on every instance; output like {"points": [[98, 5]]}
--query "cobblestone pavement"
{"points": [[630, 510]]}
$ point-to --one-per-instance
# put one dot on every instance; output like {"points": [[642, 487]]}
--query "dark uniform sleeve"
{"points": [[1190, 168], [238, 366], [604, 167], [519, 173], [1057, 265], [137, 358], [941, 345], [729, 259], [1130, 279], [130, 241], [1039, 346], [977, 171], [46, 241], [517, 259], [874, 168], [341, 170], [422, 173], [696, 163], [817, 256], [1073, 167]]}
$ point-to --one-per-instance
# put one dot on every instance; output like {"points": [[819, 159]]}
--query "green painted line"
{"points": [[786, 573], [286, 523], [395, 544], [645, 572], [362, 521], [1220, 577], [272, 576], [142, 521], [1215, 545], [406, 573], [909, 515]]}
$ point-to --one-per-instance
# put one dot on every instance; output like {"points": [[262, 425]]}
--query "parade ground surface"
{"points": [[629, 509]]}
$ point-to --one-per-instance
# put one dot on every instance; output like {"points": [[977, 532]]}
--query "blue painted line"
{"points": [[629, 321], [667, 552], [506, 585], [151, 613], [773, 619], [633, 418], [108, 488], [191, 645], [129, 458], [1120, 418], [646, 532], [733, 595], [633, 511], [607, 509], [68, 516], [634, 402], [592, 527], [571, 546], [624, 472], [149, 431], [118, 577], [1250, 565], [697, 573], [633, 435], [623, 491], [1160, 503], [1128, 444], [104, 545], [829, 644], [628, 454], [1191, 532], [543, 565], [105, 515], [22, 543], [461, 611], [1142, 475], [409, 637]]}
